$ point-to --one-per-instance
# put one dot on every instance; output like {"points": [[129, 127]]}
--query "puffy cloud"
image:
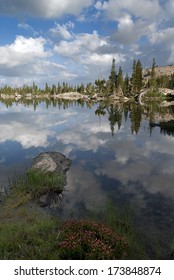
{"points": [[62, 30], [28, 58], [103, 59], [133, 18], [163, 36], [22, 51], [44, 8], [81, 44], [85, 52], [128, 31]]}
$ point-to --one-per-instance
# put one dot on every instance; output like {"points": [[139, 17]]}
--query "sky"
{"points": [[74, 41]]}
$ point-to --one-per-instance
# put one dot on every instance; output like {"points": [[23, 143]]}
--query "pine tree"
{"points": [[100, 85], [113, 77], [90, 89], [152, 82], [137, 77], [133, 80], [59, 88], [47, 88], [126, 87], [53, 90], [120, 81], [34, 89]]}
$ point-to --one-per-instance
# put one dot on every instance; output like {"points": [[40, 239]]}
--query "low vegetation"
{"points": [[38, 183], [28, 232], [88, 240]]}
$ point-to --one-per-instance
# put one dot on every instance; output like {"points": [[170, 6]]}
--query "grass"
{"points": [[24, 240], [28, 232], [38, 183]]}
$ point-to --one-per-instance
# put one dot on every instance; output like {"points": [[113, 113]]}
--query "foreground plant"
{"points": [[38, 183], [85, 239]]}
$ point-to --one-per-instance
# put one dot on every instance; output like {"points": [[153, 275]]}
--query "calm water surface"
{"points": [[115, 155]]}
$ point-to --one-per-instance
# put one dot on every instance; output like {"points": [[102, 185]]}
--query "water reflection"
{"points": [[119, 151]]}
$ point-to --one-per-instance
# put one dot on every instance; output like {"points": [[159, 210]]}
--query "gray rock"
{"points": [[51, 162]]}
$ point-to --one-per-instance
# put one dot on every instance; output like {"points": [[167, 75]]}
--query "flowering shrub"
{"points": [[85, 240]]}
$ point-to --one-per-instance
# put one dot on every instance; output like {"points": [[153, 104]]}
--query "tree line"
{"points": [[117, 83], [132, 85]]}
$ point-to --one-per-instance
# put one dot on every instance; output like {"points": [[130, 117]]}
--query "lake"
{"points": [[122, 152]]}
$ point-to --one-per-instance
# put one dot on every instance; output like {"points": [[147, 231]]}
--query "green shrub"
{"points": [[85, 239]]}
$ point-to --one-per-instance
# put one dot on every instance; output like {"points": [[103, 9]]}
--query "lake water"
{"points": [[116, 154]]}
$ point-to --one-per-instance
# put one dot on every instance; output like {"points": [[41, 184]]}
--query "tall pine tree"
{"points": [[113, 77], [152, 81], [137, 77], [120, 81]]}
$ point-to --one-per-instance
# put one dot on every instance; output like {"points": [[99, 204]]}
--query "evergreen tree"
{"points": [[59, 88], [81, 88], [34, 88], [113, 77], [53, 90], [65, 87], [47, 88], [153, 82], [133, 80], [137, 77], [90, 89], [126, 87], [100, 85], [120, 82]]}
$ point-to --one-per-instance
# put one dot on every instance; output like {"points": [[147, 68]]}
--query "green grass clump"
{"points": [[38, 183], [43, 182]]}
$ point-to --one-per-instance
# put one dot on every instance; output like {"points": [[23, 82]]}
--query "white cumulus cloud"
{"points": [[22, 50], [62, 30]]}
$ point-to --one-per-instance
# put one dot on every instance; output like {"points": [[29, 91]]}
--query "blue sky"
{"points": [[75, 41]]}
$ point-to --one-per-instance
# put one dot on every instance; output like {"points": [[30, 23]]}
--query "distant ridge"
{"points": [[160, 71]]}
